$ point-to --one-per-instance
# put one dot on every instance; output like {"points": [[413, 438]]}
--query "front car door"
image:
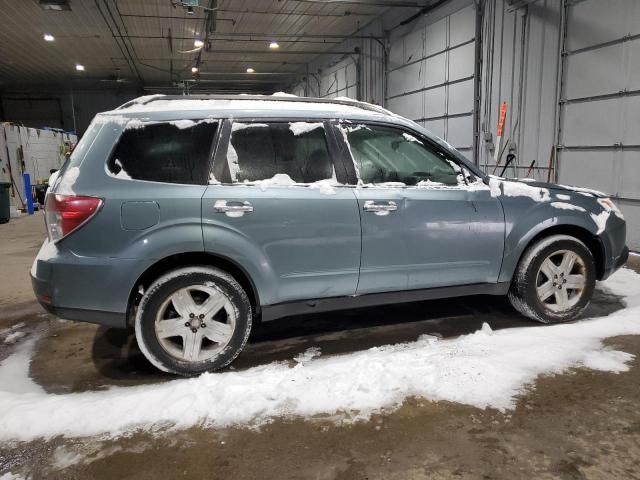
{"points": [[426, 220], [279, 212]]}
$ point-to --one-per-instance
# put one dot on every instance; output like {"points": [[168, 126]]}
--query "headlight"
{"points": [[609, 206]]}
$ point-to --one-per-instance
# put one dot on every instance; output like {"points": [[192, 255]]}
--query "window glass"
{"points": [[165, 152], [389, 155], [83, 145], [259, 151]]}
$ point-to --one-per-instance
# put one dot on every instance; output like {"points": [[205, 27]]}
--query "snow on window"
{"points": [[410, 138], [122, 173], [182, 124], [300, 128], [283, 94], [324, 186], [279, 179], [562, 196], [237, 126]]}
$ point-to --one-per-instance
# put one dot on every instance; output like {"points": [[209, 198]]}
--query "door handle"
{"points": [[380, 208], [232, 208]]}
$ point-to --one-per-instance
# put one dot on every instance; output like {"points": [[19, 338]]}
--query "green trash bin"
{"points": [[5, 211]]}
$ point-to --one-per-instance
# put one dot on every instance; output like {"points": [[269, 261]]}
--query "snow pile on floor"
{"points": [[483, 369]]}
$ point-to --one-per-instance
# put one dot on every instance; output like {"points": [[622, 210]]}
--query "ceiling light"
{"points": [[198, 43], [79, 67], [55, 5], [48, 37], [250, 70], [194, 69], [274, 45]]}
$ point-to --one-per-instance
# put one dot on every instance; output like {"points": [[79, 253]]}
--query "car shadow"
{"points": [[117, 356]]}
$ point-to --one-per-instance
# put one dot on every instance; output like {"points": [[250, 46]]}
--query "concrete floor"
{"points": [[583, 424]]}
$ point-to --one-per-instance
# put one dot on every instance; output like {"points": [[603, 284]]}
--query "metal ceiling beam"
{"points": [[370, 3], [266, 36], [248, 74], [257, 12], [217, 60], [235, 82]]}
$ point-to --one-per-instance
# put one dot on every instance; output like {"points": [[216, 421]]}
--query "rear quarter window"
{"points": [[177, 152]]}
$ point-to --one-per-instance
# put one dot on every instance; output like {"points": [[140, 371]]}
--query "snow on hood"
{"points": [[485, 369], [551, 186]]}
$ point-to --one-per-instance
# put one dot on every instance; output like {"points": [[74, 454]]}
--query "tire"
{"points": [[546, 271], [193, 320]]}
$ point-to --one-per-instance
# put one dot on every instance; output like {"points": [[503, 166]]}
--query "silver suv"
{"points": [[189, 218]]}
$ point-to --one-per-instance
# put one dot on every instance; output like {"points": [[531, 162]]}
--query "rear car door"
{"points": [[276, 209], [426, 221]]}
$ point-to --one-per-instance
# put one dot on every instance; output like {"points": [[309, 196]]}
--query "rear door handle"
{"points": [[232, 208], [380, 208]]}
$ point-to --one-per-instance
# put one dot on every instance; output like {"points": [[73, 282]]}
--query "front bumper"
{"points": [[622, 259]]}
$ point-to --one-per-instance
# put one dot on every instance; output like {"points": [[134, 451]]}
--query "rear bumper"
{"points": [[86, 289], [110, 319]]}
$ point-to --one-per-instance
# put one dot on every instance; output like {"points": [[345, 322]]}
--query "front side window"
{"points": [[176, 152], [260, 151], [386, 155]]}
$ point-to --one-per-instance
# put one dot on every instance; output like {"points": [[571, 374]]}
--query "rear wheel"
{"points": [[554, 281], [193, 320]]}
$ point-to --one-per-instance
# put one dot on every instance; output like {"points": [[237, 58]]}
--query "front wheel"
{"points": [[193, 320], [555, 280]]}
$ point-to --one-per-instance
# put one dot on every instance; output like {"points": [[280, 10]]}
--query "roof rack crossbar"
{"points": [[351, 103]]}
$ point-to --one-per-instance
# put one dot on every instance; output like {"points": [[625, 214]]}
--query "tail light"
{"points": [[66, 213]]}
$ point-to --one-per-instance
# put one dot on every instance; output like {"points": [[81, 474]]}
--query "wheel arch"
{"points": [[192, 259], [593, 243]]}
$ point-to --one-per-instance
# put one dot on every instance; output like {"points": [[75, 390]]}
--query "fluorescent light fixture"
{"points": [[198, 43], [79, 67], [54, 5], [274, 45], [48, 37], [194, 69], [250, 70]]}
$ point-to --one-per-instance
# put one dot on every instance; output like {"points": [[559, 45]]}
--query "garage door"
{"points": [[430, 77], [600, 118]]}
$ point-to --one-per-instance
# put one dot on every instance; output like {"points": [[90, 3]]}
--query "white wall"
{"points": [[42, 150]]}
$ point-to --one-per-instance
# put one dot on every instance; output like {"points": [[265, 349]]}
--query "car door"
{"points": [[426, 221], [279, 212]]}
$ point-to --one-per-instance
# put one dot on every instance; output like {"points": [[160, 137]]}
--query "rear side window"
{"points": [[165, 152], [259, 151], [390, 155]]}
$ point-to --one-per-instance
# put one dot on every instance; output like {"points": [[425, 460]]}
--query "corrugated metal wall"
{"points": [[520, 67], [360, 76], [340, 80], [431, 74], [599, 141]]}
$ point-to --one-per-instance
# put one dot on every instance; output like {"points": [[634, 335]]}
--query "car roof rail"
{"points": [[348, 102]]}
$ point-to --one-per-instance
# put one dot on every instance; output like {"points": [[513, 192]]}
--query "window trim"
{"points": [[210, 155], [353, 180], [221, 164]]}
